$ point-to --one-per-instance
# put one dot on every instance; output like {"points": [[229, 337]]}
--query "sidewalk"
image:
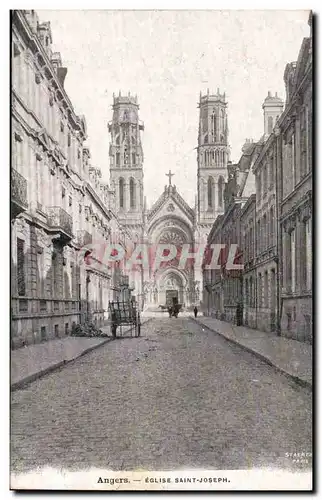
{"points": [[32, 362], [289, 356]]}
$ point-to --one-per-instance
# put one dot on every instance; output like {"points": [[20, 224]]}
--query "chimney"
{"points": [[269, 94]]}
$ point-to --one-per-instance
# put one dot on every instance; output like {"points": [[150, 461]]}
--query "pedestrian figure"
{"points": [[195, 311]]}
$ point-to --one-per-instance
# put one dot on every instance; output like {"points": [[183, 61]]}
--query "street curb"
{"points": [[35, 376], [298, 380]]}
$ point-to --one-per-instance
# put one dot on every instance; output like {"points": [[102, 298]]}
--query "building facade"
{"points": [[170, 220], [59, 206], [294, 139], [266, 215]]}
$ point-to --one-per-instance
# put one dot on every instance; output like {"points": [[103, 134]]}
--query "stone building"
{"points": [[170, 219], [224, 286], [294, 142], [248, 229], [276, 222], [59, 206], [265, 240]]}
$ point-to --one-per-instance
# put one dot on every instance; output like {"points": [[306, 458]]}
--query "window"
{"points": [[222, 125], [258, 235], [132, 194], [214, 126], [80, 208], [210, 192], [206, 139], [56, 331], [250, 291], [293, 261], [61, 127], [309, 133], [63, 192], [265, 179], [220, 191], [69, 140], [260, 290], [117, 159], [21, 267], [269, 124], [133, 158], [292, 159], [121, 193], [270, 172], [271, 228], [303, 142], [266, 289], [78, 153], [308, 242], [264, 235], [70, 201], [258, 185]]}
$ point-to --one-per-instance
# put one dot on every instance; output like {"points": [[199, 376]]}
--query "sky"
{"points": [[167, 58]]}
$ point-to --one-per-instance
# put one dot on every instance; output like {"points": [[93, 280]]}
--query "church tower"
{"points": [[212, 157], [126, 162]]}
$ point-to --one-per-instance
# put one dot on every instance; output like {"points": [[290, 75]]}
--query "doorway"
{"points": [[171, 297]]}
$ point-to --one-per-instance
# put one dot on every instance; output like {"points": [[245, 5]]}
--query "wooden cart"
{"points": [[124, 313]]}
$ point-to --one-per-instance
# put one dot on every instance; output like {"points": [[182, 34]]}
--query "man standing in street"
{"points": [[195, 311]]}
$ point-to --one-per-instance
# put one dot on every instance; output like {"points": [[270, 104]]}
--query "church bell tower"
{"points": [[212, 156], [126, 161]]}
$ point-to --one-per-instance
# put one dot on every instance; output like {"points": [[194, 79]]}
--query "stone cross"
{"points": [[169, 175]]}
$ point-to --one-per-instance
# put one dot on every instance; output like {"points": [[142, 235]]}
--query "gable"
{"points": [[170, 206], [171, 202]]}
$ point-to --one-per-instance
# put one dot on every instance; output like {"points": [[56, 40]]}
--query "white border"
{"points": [[4, 190]]}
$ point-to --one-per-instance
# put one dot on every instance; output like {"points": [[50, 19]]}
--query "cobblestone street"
{"points": [[177, 397]]}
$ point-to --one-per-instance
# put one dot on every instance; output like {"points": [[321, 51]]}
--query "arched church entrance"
{"points": [[171, 288]]}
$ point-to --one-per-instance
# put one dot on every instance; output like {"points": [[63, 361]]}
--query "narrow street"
{"points": [[177, 397]]}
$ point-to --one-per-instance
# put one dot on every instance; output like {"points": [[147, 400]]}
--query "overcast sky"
{"points": [[167, 58]]}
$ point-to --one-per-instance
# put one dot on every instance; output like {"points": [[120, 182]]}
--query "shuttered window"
{"points": [[21, 267]]}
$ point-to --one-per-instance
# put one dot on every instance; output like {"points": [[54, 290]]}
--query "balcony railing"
{"points": [[59, 220], [19, 201], [84, 238]]}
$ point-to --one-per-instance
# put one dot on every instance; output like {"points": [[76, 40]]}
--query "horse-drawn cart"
{"points": [[124, 313]]}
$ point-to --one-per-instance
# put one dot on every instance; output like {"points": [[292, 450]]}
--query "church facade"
{"points": [[170, 219]]}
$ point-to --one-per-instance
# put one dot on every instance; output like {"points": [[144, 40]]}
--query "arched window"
{"points": [[214, 125], [121, 192], [132, 193], [217, 158], [220, 191], [210, 191], [205, 157], [222, 125]]}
